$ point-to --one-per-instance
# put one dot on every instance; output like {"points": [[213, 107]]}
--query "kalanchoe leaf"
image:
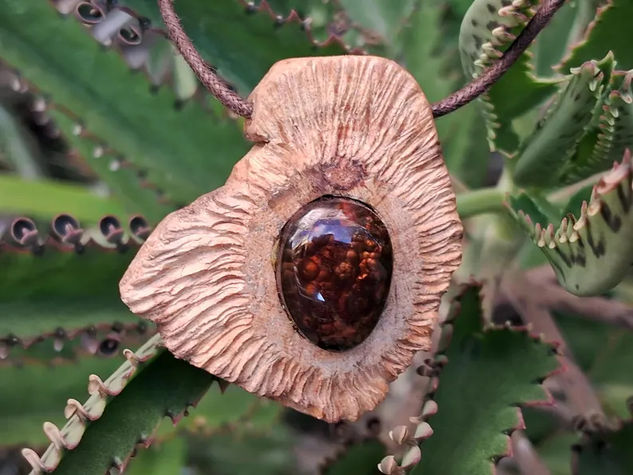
{"points": [[607, 453], [488, 29], [359, 458], [242, 54], [119, 107], [63, 280], [607, 365], [131, 186], [610, 31], [591, 253], [557, 135], [104, 431], [613, 133], [34, 393], [474, 416]]}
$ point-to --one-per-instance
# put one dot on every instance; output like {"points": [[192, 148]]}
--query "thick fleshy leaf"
{"points": [[610, 31], [489, 373], [33, 394], [103, 432], [488, 28], [117, 106], [608, 453], [242, 42], [557, 136], [608, 364], [591, 253]]}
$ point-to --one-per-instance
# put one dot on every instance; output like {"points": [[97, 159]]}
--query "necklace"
{"points": [[314, 275]]}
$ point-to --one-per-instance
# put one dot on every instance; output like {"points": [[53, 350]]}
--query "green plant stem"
{"points": [[485, 200]]}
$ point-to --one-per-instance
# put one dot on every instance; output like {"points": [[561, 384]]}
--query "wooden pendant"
{"points": [[356, 128]]}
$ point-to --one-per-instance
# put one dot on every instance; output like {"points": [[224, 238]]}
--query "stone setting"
{"points": [[334, 269]]}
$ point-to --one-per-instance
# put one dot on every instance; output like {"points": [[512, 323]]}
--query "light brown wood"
{"points": [[356, 126]]}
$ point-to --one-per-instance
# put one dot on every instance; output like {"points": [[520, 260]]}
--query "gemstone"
{"points": [[334, 270]]}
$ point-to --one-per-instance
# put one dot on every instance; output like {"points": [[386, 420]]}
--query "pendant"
{"points": [[314, 275]]}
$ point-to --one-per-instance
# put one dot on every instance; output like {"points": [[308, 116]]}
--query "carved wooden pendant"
{"points": [[315, 273]]}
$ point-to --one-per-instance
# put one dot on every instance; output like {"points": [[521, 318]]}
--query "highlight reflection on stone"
{"points": [[334, 270]]}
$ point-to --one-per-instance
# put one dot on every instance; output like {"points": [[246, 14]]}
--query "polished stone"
{"points": [[333, 271]]}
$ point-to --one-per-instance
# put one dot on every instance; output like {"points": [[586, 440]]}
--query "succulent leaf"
{"points": [[22, 408], [557, 136], [608, 364], [461, 133], [63, 284], [129, 184], [103, 432], [44, 198], [166, 458], [118, 106], [606, 141], [243, 54], [609, 31], [487, 30], [607, 453], [474, 415], [591, 253], [359, 458], [383, 19]]}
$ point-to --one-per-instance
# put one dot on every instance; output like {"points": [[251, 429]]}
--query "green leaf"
{"points": [[359, 459], [45, 198], [33, 394], [489, 373], [121, 177], [607, 141], [607, 454], [488, 28], [610, 31], [120, 413], [383, 18], [461, 133], [117, 105], [167, 458], [17, 147], [556, 137], [60, 294], [605, 353], [241, 42], [592, 253], [242, 453]]}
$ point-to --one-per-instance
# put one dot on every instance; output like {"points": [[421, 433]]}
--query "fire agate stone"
{"points": [[334, 270]]}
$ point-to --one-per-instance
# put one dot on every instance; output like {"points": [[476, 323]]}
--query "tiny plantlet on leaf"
{"points": [[380, 274]]}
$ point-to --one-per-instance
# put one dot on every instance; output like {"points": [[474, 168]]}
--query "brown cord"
{"points": [[200, 67], [491, 75], [472, 90]]}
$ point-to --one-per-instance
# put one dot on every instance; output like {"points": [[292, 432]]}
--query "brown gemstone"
{"points": [[334, 270]]}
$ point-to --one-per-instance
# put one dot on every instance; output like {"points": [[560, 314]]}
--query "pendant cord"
{"points": [[233, 101], [205, 72]]}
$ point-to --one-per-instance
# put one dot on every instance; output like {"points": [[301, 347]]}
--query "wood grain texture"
{"points": [[356, 126]]}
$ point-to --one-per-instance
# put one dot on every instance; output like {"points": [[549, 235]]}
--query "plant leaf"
{"points": [[129, 184], [44, 198], [489, 373], [242, 42], [608, 453], [104, 431], [35, 393], [608, 32], [556, 137], [487, 30], [116, 105], [607, 364], [592, 253], [360, 459]]}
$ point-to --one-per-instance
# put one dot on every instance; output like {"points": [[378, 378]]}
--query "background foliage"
{"points": [[104, 130]]}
